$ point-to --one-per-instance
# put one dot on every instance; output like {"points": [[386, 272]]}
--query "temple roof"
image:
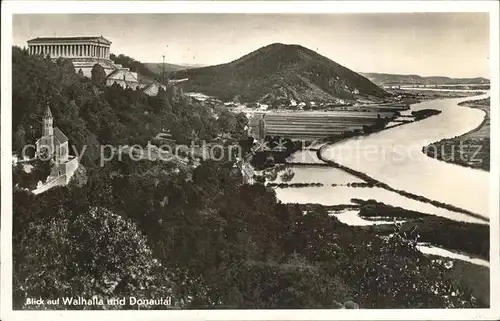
{"points": [[100, 39], [59, 136]]}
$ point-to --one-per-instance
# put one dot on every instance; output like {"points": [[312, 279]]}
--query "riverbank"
{"points": [[471, 149], [428, 228], [370, 180], [438, 236], [277, 149], [417, 95], [444, 236]]}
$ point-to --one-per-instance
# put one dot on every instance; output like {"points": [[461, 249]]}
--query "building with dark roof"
{"points": [[53, 147], [53, 144]]}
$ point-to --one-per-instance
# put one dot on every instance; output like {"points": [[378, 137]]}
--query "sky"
{"points": [[427, 44]]}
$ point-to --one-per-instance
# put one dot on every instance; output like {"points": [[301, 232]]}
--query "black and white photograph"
{"points": [[169, 161]]}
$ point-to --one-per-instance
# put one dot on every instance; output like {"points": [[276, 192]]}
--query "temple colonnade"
{"points": [[70, 50]]}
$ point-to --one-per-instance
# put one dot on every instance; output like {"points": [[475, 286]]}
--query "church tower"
{"points": [[48, 129]]}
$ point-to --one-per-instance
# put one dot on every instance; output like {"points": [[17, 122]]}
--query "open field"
{"points": [[471, 149], [321, 124]]}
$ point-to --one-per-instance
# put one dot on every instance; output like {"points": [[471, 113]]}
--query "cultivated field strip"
{"points": [[317, 125]]}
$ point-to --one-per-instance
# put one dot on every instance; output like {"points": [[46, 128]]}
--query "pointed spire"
{"points": [[48, 113]]}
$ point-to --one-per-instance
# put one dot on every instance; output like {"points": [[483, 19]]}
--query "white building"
{"points": [[84, 53], [53, 146]]}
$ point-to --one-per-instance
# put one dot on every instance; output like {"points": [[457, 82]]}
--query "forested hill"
{"points": [[91, 114], [280, 71]]}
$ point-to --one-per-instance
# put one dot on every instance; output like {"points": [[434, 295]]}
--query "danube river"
{"points": [[394, 156]]}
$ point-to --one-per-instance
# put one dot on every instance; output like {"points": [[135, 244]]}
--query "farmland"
{"points": [[320, 125]]}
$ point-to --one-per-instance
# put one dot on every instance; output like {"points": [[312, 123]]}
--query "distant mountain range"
{"points": [[280, 72], [382, 79], [157, 67]]}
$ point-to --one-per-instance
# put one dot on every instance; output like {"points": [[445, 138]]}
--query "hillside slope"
{"points": [[395, 79], [157, 67], [280, 72]]}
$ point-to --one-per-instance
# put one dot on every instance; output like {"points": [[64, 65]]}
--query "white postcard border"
{"points": [[11, 7]]}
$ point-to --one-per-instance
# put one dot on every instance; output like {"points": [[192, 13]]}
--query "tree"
{"points": [[98, 75], [19, 141], [226, 121], [89, 253]]}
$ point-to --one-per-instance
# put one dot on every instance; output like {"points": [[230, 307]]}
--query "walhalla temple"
{"points": [[84, 53]]}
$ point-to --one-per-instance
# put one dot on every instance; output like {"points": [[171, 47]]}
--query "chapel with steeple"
{"points": [[53, 147]]}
